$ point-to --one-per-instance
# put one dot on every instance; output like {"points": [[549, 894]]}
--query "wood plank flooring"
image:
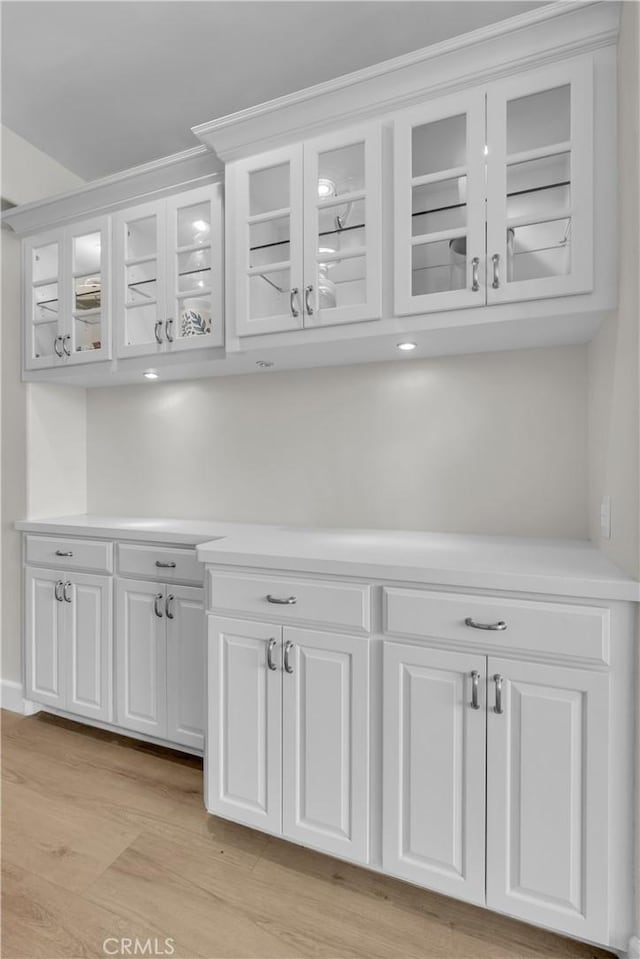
{"points": [[106, 839]]}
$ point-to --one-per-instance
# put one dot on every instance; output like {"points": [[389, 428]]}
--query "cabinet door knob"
{"points": [[498, 680], [288, 668], [475, 683], [271, 645], [65, 593], [308, 290], [57, 590], [167, 606], [157, 331], [281, 600], [64, 552], [168, 328], [493, 626], [157, 605]]}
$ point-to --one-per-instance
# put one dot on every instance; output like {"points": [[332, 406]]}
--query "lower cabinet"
{"points": [[288, 733], [68, 641], [160, 661], [546, 779]]}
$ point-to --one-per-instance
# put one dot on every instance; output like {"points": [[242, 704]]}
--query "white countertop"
{"points": [[557, 567]]}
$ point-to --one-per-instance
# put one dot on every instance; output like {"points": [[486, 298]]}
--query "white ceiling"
{"points": [[101, 86]]}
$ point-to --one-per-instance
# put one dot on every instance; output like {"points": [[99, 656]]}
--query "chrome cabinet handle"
{"points": [[475, 684], [56, 590], [493, 626], [157, 605], [168, 565], [496, 270], [498, 680], [308, 290], [57, 340], [293, 302], [475, 282], [168, 328], [167, 609], [156, 331], [66, 596], [66, 339], [270, 648], [281, 601], [288, 668], [64, 552]]}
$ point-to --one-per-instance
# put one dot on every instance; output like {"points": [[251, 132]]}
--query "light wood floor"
{"points": [[103, 837]]}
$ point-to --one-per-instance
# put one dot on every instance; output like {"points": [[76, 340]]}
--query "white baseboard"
{"points": [[12, 698]]}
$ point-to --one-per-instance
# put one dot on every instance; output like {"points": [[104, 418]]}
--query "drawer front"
{"points": [[328, 604], [59, 551], [165, 565], [533, 627]]}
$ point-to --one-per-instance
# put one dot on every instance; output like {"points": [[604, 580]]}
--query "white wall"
{"points": [[43, 451], [614, 401], [493, 443]]}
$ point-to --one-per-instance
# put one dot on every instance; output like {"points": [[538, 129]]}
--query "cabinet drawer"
{"points": [[534, 627], [329, 604], [168, 565], [58, 551]]}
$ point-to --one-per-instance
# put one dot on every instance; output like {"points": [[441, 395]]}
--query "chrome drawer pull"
{"points": [[157, 331], [168, 328], [67, 598], [270, 648], [308, 290], [169, 565], [293, 302], [288, 668], [65, 341], [281, 601], [63, 552], [471, 622], [495, 259], [158, 608], [498, 680], [475, 682], [475, 282], [167, 607], [57, 340], [56, 590]]}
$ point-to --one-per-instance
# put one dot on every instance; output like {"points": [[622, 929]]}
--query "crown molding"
{"points": [[189, 168], [535, 38]]}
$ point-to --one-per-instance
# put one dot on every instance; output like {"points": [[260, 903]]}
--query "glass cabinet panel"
{"points": [[45, 313], [139, 259], [87, 327]]}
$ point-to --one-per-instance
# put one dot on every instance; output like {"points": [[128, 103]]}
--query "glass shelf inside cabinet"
{"points": [[141, 281], [538, 200], [269, 234], [86, 308], [193, 285]]}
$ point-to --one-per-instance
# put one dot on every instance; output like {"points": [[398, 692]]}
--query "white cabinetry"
{"points": [[67, 304], [512, 162], [434, 733], [168, 274], [288, 733], [160, 656], [304, 234], [68, 641]]}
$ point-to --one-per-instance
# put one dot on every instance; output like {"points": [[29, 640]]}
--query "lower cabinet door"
{"points": [[88, 603], [244, 748], [434, 737], [141, 657], [547, 796], [44, 641], [186, 665], [325, 736]]}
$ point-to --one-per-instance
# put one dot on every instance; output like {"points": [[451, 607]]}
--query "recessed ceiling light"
{"points": [[264, 364], [326, 187], [407, 346], [150, 374]]}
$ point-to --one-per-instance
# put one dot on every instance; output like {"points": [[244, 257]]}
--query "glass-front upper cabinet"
{"points": [[439, 169], [168, 289], [342, 228], [540, 183], [67, 296], [304, 234]]}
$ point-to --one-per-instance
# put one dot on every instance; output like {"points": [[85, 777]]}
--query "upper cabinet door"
{"points": [[139, 240], [540, 183], [547, 796], [264, 241], [195, 303], [44, 299], [87, 335], [439, 175], [342, 228], [325, 742]]}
